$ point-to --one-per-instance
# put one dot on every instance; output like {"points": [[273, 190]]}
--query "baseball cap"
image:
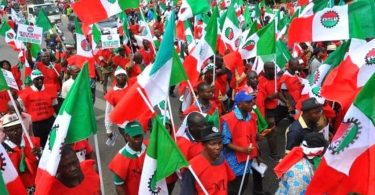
{"points": [[10, 120], [133, 128], [310, 103], [243, 96], [36, 74]]}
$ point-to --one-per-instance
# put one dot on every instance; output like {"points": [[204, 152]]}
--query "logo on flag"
{"points": [[182, 10], [109, 37], [316, 91], [330, 19], [151, 188], [352, 128], [314, 77], [52, 136], [189, 38], [370, 57], [85, 45], [112, 1], [10, 35], [229, 33], [238, 41], [30, 29], [249, 45], [2, 162]]}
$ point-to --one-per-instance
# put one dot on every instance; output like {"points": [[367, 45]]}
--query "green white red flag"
{"points": [[231, 31], [354, 20], [10, 182], [345, 81], [190, 8], [76, 112], [152, 85], [261, 43], [205, 48], [348, 165], [163, 158], [10, 37], [93, 11]]}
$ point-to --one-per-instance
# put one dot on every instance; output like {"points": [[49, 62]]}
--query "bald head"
{"points": [[196, 123]]}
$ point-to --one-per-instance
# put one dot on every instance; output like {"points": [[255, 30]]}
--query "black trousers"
{"points": [[234, 186], [42, 129]]}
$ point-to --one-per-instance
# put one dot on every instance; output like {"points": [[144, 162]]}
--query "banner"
{"points": [[30, 34], [11, 82], [110, 41]]}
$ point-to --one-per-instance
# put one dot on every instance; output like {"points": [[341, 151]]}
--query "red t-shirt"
{"points": [[120, 61], [148, 56], [51, 75]]}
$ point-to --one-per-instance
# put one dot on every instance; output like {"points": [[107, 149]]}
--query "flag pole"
{"points": [[172, 122], [194, 95], [244, 171], [198, 180], [20, 117], [214, 73], [99, 163], [146, 100]]}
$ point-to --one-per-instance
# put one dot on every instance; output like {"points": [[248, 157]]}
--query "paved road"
{"points": [[106, 153]]}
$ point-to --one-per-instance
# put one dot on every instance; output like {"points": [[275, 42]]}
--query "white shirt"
{"points": [[108, 109], [66, 87]]}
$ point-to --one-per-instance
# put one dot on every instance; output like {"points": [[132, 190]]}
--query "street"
{"points": [[270, 182]]}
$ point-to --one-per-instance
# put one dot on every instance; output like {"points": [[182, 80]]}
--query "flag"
{"points": [[355, 20], [349, 163], [10, 182], [145, 32], [74, 122], [262, 43], [214, 119], [163, 158], [178, 73], [231, 31], [261, 121], [123, 27], [205, 48], [103, 9], [7, 76], [152, 85], [282, 54], [3, 82], [3, 4], [84, 51], [96, 37], [43, 21], [10, 36], [344, 82], [190, 8]]}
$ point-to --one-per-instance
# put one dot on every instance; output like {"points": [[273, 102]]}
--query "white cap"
{"points": [[120, 70], [9, 120], [35, 74]]}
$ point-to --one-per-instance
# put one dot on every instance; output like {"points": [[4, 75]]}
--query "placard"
{"points": [[110, 41], [30, 34]]}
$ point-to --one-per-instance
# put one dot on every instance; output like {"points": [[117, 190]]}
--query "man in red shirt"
{"points": [[113, 97], [205, 98], [291, 86], [128, 163], [23, 157], [73, 177], [189, 135], [267, 100], [210, 166], [50, 70], [40, 101], [121, 59], [147, 53]]}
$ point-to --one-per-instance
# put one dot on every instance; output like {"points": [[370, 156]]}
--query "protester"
{"points": [[40, 100], [189, 135], [239, 129], [72, 176], [113, 97], [23, 156], [306, 123], [210, 166], [296, 169], [205, 103], [128, 162]]}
